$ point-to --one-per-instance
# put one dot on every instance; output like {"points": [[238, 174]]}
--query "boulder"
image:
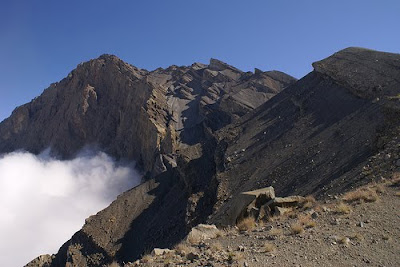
{"points": [[192, 256], [290, 201], [246, 201], [161, 251], [202, 232]]}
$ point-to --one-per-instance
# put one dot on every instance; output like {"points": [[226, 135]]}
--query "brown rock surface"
{"points": [[163, 119], [135, 114]]}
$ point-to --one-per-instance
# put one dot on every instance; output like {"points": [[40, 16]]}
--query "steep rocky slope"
{"points": [[315, 137], [135, 114], [156, 118]]}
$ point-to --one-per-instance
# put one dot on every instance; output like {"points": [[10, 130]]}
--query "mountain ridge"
{"points": [[78, 98], [205, 134]]}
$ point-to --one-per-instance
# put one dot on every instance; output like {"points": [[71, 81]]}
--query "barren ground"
{"points": [[367, 236]]}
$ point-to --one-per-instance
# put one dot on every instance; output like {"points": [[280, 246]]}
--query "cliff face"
{"points": [[211, 134], [136, 114]]}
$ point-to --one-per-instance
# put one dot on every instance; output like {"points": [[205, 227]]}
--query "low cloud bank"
{"points": [[44, 201]]}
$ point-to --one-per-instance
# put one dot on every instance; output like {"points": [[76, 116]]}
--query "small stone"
{"points": [[192, 256], [345, 241], [366, 260], [361, 224], [268, 228], [325, 209]]}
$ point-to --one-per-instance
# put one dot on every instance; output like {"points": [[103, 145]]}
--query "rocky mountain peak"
{"points": [[206, 133], [218, 65], [132, 113]]}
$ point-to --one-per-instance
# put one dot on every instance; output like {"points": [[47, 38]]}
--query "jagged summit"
{"points": [[219, 65], [109, 56], [133, 113]]}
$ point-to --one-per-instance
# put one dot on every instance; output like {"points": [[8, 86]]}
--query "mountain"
{"points": [[135, 114], [205, 133], [156, 118]]}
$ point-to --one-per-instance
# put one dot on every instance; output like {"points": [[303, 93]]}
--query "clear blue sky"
{"points": [[42, 41]]}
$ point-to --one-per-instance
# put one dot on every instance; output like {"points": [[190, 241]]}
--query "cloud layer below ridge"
{"points": [[44, 201]]}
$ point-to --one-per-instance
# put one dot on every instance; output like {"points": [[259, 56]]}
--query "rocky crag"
{"points": [[205, 133], [133, 113], [162, 119]]}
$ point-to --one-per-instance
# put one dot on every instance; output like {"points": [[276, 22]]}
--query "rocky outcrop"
{"points": [[261, 204], [41, 261], [242, 204], [165, 120], [135, 114]]}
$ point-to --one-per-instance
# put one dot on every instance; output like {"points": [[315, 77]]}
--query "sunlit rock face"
{"points": [[133, 113]]}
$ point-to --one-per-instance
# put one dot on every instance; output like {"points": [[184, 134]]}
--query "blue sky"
{"points": [[42, 41]]}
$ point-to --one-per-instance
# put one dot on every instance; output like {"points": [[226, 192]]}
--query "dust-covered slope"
{"points": [[316, 135]]}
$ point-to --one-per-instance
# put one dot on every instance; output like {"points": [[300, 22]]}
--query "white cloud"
{"points": [[44, 201]]}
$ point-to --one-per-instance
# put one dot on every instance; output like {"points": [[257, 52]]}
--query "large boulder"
{"points": [[244, 203], [202, 232]]}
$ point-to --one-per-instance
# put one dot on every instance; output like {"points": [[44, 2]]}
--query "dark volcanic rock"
{"points": [[315, 136]]}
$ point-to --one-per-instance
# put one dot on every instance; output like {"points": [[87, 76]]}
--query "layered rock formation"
{"points": [[162, 119], [205, 133], [136, 114]]}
